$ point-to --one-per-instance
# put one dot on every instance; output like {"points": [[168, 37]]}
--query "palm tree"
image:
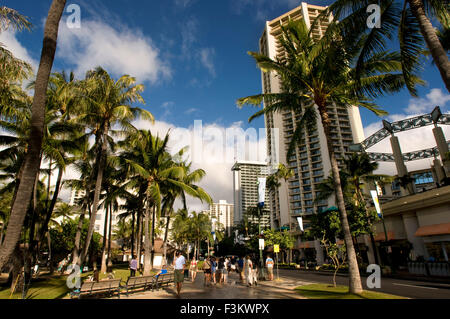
{"points": [[199, 227], [409, 20], [173, 192], [273, 180], [11, 18], [107, 102], [32, 158], [318, 73], [148, 160]]}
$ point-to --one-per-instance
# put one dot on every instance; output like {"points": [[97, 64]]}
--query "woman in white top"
{"points": [[249, 270]]}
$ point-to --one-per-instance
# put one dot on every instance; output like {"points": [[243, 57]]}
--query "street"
{"points": [[405, 288]]}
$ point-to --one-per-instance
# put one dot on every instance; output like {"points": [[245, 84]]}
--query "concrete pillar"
{"points": [[370, 249], [411, 225], [399, 163], [319, 253], [444, 251], [442, 147], [438, 170]]}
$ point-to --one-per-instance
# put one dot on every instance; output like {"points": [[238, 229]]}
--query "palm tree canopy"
{"points": [[396, 20], [322, 72]]}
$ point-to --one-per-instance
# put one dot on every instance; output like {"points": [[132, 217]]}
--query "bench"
{"points": [[91, 288], [145, 282], [163, 280]]}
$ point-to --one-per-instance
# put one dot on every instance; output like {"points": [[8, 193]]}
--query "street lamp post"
{"points": [[261, 262]]}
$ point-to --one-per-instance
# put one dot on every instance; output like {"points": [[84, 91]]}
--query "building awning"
{"points": [[382, 237], [431, 230]]}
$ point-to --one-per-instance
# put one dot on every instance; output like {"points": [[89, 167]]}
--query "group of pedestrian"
{"points": [[216, 270]]}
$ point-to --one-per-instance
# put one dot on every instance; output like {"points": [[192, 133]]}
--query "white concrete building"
{"points": [[311, 162], [223, 212], [245, 186]]}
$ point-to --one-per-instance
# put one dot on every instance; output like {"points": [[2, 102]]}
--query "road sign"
{"points": [[261, 244], [276, 248]]}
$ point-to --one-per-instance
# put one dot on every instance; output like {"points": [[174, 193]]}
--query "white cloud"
{"points": [[206, 57], [192, 51], [184, 3], [212, 152], [423, 105], [191, 110], [412, 140], [120, 52], [9, 40]]}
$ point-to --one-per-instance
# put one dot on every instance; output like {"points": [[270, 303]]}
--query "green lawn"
{"points": [[324, 291], [55, 287]]}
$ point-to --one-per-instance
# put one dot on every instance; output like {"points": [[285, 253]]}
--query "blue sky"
{"points": [[202, 45], [190, 54]]}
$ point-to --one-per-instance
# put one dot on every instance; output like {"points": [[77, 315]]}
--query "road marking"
{"points": [[415, 286]]}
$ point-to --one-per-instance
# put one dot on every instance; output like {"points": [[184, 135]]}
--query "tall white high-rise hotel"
{"points": [[311, 162]]}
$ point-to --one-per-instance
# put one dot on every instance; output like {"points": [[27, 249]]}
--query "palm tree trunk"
{"points": [[49, 243], [109, 237], [152, 236], [166, 233], [51, 208], [133, 222], [32, 158], [76, 248], [101, 163], [429, 33], [105, 232], [139, 239], [147, 241], [355, 285]]}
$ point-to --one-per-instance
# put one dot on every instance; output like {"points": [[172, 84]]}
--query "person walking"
{"points": [[207, 271], [193, 268], [213, 270], [269, 266], [240, 267], [133, 266], [180, 263], [248, 270], [226, 270], [255, 272], [220, 267]]}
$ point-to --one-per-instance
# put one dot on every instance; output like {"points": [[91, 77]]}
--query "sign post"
{"points": [[376, 202], [276, 249], [261, 200]]}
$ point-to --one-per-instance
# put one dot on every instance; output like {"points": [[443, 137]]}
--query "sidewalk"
{"points": [[282, 289]]}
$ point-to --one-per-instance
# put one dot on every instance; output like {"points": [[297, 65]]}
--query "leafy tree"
{"points": [[63, 239]]}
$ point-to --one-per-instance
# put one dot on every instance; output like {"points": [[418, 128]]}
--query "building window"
{"points": [[308, 202], [98, 217], [423, 178]]}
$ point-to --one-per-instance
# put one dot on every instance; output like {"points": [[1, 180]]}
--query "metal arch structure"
{"points": [[402, 126], [407, 157]]}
